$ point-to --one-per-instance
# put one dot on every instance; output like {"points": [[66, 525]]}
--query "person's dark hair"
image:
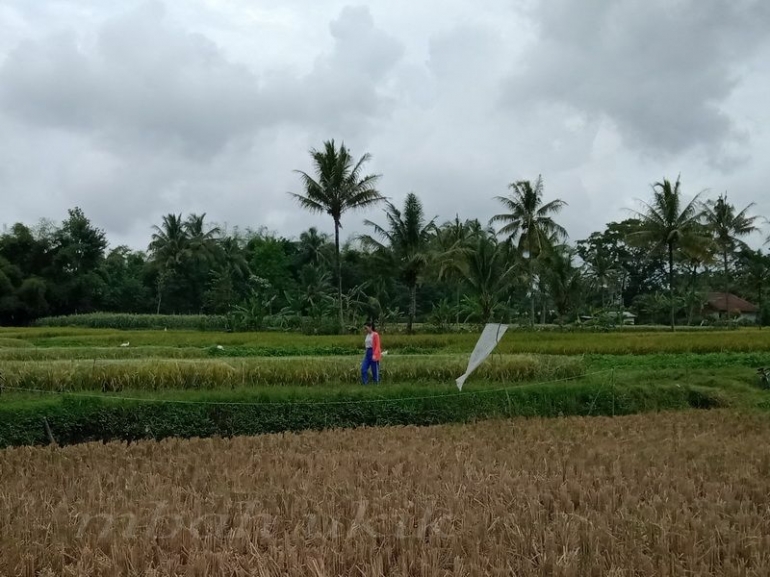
{"points": [[370, 324]]}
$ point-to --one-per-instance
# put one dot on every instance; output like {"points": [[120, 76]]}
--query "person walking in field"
{"points": [[372, 356]]}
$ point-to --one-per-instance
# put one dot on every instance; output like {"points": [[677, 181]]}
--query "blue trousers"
{"points": [[369, 363]]}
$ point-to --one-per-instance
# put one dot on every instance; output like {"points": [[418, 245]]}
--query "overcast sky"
{"points": [[135, 109]]}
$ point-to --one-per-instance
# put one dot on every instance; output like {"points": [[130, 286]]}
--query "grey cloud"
{"points": [[135, 113], [144, 83], [361, 47], [346, 87], [150, 118], [658, 69], [468, 51]]}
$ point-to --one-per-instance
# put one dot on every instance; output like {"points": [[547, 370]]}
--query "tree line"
{"points": [[661, 263]]}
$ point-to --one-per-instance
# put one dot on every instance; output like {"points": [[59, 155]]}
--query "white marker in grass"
{"points": [[487, 342]]}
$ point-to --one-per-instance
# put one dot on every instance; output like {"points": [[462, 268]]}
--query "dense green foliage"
{"points": [[660, 265], [137, 321], [79, 419]]}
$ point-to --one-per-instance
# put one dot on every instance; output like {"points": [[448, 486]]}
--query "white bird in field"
{"points": [[124, 345], [220, 347]]}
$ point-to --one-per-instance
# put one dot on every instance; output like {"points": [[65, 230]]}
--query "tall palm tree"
{"points": [[700, 255], [233, 263], [233, 258], [529, 223], [563, 280], [202, 240], [451, 238], [169, 241], [727, 228], [338, 187], [203, 254], [667, 227], [168, 248], [602, 272], [483, 264], [311, 246], [408, 237]]}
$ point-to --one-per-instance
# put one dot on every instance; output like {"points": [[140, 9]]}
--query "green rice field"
{"points": [[75, 384]]}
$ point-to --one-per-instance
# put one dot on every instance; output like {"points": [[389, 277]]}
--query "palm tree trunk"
{"points": [[457, 310], [531, 299], [671, 285], [531, 281], [412, 307], [339, 274], [727, 284], [161, 283], [692, 294]]}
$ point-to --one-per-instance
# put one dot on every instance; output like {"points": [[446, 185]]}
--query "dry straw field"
{"points": [[663, 495]]}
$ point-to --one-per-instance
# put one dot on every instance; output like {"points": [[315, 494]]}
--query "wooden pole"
{"points": [[49, 433]]}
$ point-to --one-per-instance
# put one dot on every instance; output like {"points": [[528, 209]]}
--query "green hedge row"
{"points": [[126, 321], [130, 321], [74, 419]]}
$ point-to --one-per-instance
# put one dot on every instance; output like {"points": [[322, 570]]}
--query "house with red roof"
{"points": [[730, 306]]}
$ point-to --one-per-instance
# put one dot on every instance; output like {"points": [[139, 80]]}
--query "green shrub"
{"points": [[133, 322], [75, 419]]}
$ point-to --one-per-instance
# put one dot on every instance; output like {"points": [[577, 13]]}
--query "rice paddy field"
{"points": [[155, 452], [667, 494]]}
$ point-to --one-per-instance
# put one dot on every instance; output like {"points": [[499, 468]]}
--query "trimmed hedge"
{"points": [[125, 321], [74, 419]]}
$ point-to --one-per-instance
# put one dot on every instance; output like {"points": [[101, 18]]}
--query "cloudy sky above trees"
{"points": [[135, 109]]}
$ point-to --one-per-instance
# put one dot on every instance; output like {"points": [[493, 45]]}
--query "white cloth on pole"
{"points": [[487, 342]]}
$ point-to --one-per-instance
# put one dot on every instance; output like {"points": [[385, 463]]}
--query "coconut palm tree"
{"points": [[408, 237], [601, 271], [311, 247], [530, 225], [337, 187], [484, 266], [451, 238], [727, 228], [202, 240], [665, 226], [168, 248], [563, 280], [169, 241]]}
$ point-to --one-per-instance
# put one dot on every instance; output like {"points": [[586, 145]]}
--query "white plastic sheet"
{"points": [[487, 342]]}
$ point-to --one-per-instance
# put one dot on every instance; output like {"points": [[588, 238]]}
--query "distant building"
{"points": [[628, 318], [717, 307]]}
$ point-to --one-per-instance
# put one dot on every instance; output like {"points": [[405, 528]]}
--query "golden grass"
{"points": [[663, 495], [159, 374]]}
